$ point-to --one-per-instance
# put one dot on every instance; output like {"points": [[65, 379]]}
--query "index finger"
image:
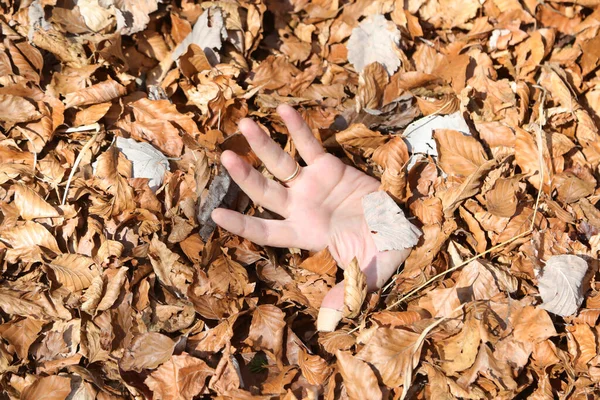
{"points": [[306, 143]]}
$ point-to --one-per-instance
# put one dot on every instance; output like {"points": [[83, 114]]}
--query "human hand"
{"points": [[322, 207]]}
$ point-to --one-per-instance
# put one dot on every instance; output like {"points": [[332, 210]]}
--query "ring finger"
{"points": [[277, 161]]}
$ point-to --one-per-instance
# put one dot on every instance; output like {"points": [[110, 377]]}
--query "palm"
{"points": [[321, 208]]}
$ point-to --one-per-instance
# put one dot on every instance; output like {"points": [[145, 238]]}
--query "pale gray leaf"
{"points": [[419, 134], [560, 284], [146, 160], [206, 35], [374, 40], [389, 227]]}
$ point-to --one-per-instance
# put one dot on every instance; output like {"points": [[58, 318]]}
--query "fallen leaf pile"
{"points": [[480, 118]]}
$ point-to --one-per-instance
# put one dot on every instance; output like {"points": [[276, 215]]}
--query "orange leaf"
{"points": [[359, 379], [459, 154], [181, 378], [391, 351], [266, 329]]}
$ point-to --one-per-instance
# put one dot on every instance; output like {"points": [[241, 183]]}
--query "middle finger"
{"points": [[277, 161]]}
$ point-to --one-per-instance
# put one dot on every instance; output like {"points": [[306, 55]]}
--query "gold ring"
{"points": [[293, 176]]}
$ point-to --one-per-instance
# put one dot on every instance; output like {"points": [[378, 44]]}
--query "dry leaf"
{"points": [[31, 205], [73, 271], [181, 378], [359, 379], [355, 289], [389, 227], [459, 154], [390, 351], [51, 387], [374, 40], [560, 284], [146, 161], [266, 329], [147, 351]]}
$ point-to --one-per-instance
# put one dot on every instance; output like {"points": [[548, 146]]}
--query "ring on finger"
{"points": [[293, 176]]}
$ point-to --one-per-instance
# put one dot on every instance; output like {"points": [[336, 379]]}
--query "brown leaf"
{"points": [[91, 114], [266, 330], [336, 340], [181, 378], [391, 351], [112, 171], [459, 154], [12, 303], [355, 289], [31, 205], [394, 319], [584, 349], [321, 263], [52, 387], [15, 109], [459, 351], [99, 93], [358, 135], [359, 379], [171, 272], [21, 334], [27, 241], [532, 325], [455, 195], [115, 280], [570, 188], [147, 351], [73, 271], [502, 200], [527, 157], [393, 154], [314, 368]]}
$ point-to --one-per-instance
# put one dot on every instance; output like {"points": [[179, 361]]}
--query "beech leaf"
{"points": [[560, 284], [355, 289], [207, 35], [147, 351], [374, 40], [389, 227], [146, 161]]}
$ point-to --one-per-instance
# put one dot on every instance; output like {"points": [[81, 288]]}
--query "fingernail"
{"points": [[328, 319]]}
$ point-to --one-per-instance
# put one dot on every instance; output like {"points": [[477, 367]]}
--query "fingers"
{"points": [[261, 190], [264, 232], [330, 313], [271, 154], [306, 143]]}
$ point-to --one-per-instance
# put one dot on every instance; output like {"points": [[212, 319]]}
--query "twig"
{"points": [[80, 155]]}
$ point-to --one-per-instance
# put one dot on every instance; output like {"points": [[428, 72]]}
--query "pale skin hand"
{"points": [[322, 207]]}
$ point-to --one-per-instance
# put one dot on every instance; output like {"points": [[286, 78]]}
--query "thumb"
{"points": [[330, 313]]}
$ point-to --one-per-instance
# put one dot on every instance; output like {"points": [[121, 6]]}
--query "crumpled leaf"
{"points": [[207, 35], [51, 387], [374, 40], [359, 379], [16, 109], [266, 329], [389, 227], [355, 289], [21, 334], [181, 378], [146, 161], [147, 351], [391, 351], [560, 284], [73, 271]]}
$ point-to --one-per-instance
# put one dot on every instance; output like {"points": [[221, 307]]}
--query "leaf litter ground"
{"points": [[121, 291]]}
